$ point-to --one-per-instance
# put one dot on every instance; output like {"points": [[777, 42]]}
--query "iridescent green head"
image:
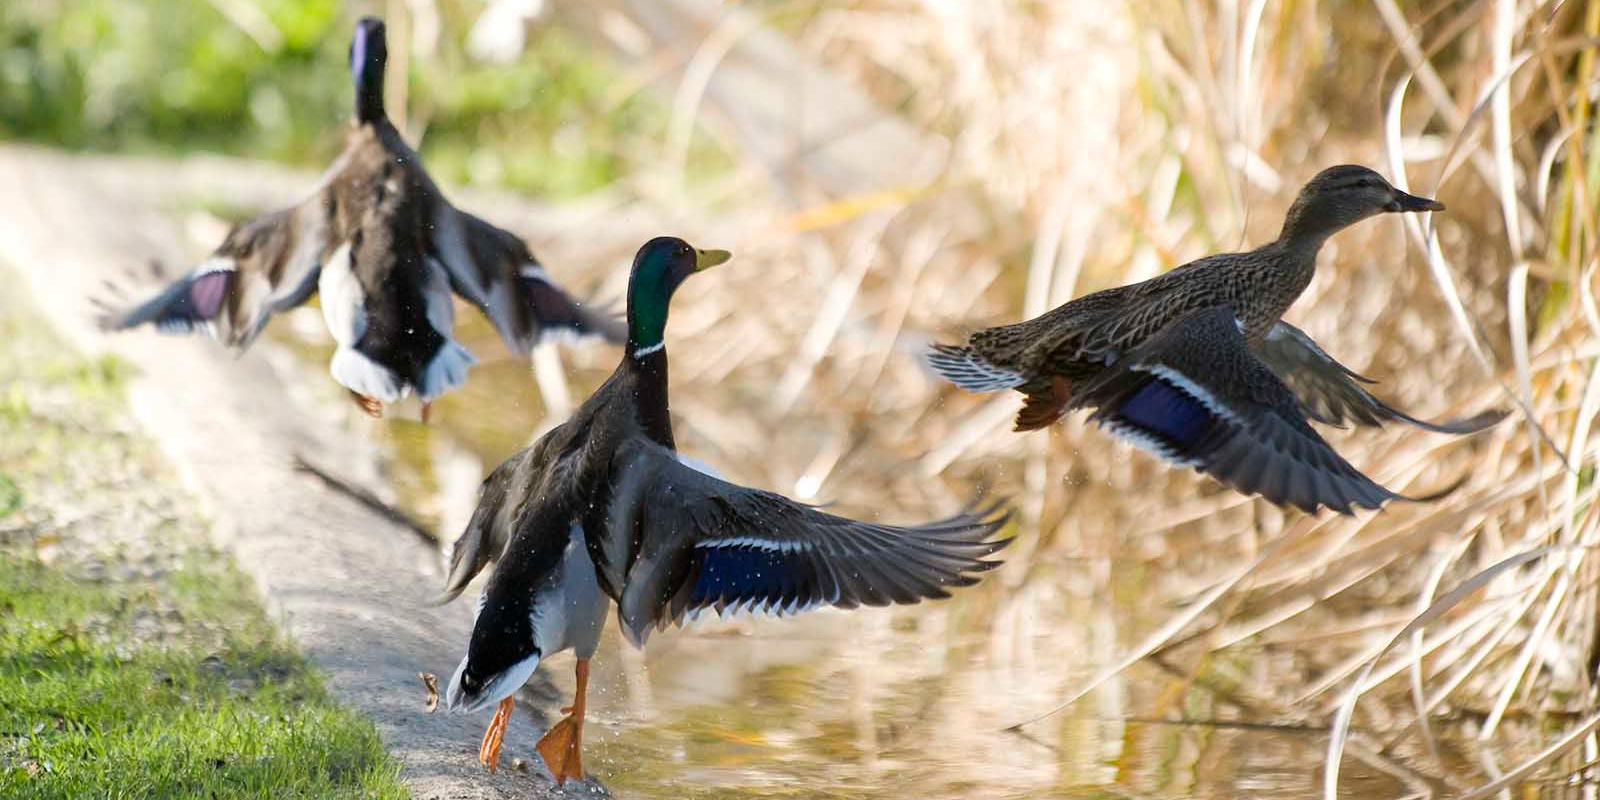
{"points": [[658, 269]]}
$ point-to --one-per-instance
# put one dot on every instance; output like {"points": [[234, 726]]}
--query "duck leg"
{"points": [[367, 404], [560, 748], [489, 750]]}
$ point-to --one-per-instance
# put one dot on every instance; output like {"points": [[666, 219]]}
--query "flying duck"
{"points": [[602, 510], [385, 249], [1197, 367]]}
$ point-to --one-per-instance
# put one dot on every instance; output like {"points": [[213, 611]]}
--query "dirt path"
{"points": [[348, 584]]}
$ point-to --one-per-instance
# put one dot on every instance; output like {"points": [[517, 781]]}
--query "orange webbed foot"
{"points": [[370, 405], [489, 749], [561, 748]]}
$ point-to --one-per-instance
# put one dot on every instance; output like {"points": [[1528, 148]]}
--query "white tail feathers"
{"points": [[494, 689], [963, 367], [446, 371], [360, 374]]}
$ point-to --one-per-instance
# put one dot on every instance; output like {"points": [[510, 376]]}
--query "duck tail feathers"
{"points": [[357, 372], [966, 368], [446, 371]]}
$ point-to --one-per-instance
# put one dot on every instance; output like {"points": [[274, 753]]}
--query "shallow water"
{"points": [[886, 703]]}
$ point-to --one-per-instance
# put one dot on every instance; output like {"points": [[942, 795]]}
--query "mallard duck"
{"points": [[385, 249], [1230, 400], [601, 509]]}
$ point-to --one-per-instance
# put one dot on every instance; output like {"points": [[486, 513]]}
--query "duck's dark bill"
{"points": [[1411, 202], [706, 259]]}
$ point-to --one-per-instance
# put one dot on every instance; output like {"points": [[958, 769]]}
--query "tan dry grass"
{"points": [[1089, 146], [1041, 150]]}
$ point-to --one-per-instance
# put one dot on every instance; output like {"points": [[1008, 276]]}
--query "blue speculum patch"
{"points": [[742, 572], [1162, 409]]}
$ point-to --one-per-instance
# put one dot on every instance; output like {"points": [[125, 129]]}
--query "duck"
{"points": [[385, 249], [602, 510], [1198, 367]]}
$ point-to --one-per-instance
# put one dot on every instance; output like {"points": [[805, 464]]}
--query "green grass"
{"points": [[82, 713], [135, 660], [177, 77]]}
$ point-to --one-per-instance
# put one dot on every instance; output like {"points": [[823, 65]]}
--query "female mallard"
{"points": [[1230, 400], [385, 248], [601, 509]]}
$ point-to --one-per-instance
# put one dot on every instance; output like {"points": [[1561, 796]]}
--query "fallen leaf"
{"points": [[431, 683]]}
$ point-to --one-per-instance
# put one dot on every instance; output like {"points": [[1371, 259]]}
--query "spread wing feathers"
{"points": [[266, 265], [493, 269], [1196, 395], [512, 492], [1332, 393], [968, 369], [706, 543], [189, 304], [487, 533]]}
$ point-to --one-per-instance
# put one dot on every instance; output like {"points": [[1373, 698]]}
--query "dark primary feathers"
{"points": [[1332, 392], [705, 543], [498, 274], [1196, 395], [491, 526]]}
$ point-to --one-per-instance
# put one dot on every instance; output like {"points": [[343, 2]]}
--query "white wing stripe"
{"points": [[785, 546], [1192, 389]]}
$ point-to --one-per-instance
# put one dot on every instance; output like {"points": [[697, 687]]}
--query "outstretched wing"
{"points": [[494, 270], [492, 523], [707, 543], [512, 491], [1196, 395], [264, 266], [1332, 393]]}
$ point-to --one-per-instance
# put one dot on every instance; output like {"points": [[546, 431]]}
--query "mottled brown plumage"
{"points": [[1053, 358]]}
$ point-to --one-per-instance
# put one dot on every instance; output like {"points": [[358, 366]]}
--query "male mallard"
{"points": [[601, 509], [385, 248], [1231, 400]]}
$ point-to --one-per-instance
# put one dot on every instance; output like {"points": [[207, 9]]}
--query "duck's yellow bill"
{"points": [[706, 259]]}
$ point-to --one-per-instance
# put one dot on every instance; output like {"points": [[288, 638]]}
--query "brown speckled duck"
{"points": [[1196, 366], [385, 249]]}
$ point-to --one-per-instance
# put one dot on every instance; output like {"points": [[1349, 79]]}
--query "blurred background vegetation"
{"points": [[270, 79], [907, 170]]}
